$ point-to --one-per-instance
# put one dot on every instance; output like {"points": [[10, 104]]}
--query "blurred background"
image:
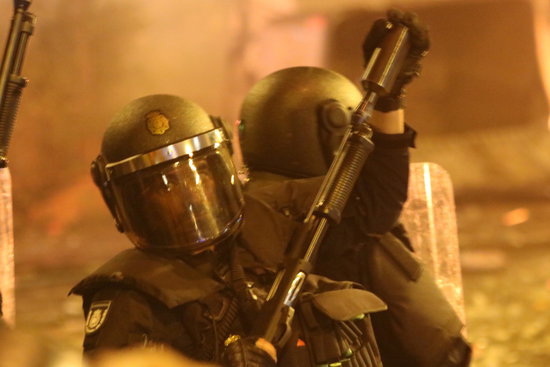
{"points": [[481, 109]]}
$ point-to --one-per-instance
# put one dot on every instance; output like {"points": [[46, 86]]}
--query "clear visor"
{"points": [[186, 204]]}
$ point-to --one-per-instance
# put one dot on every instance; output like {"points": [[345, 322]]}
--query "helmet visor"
{"points": [[185, 204]]}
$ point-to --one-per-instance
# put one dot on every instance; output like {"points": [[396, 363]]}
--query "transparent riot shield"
{"points": [[430, 219], [6, 248]]}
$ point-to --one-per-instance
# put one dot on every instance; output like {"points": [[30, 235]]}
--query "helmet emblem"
{"points": [[157, 122]]}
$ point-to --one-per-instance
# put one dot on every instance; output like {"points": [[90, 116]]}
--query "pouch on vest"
{"points": [[336, 323]]}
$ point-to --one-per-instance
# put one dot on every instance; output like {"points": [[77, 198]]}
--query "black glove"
{"points": [[420, 44], [243, 352]]}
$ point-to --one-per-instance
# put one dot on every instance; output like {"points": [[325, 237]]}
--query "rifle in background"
{"points": [[11, 86]]}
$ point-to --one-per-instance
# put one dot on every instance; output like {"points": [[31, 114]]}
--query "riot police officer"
{"points": [[292, 122], [205, 254]]}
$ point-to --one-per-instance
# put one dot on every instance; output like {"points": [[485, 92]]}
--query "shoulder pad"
{"points": [[265, 233], [170, 281], [292, 197]]}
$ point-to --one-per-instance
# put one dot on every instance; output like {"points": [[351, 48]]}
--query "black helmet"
{"points": [[165, 171], [294, 119]]}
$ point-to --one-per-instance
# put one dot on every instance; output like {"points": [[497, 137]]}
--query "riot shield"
{"points": [[6, 248], [430, 219]]}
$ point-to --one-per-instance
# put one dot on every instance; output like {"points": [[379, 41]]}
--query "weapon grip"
{"points": [[8, 112], [386, 60], [358, 149]]}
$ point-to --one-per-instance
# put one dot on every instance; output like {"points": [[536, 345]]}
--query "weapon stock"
{"points": [[273, 323]]}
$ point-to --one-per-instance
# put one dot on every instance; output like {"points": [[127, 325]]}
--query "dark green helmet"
{"points": [[151, 122], [294, 119], [166, 173]]}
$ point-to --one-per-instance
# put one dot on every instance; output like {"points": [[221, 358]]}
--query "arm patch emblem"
{"points": [[96, 316]]}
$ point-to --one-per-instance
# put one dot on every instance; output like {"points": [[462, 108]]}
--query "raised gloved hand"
{"points": [[248, 352], [420, 44]]}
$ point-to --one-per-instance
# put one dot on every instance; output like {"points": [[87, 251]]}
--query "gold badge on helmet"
{"points": [[157, 122]]}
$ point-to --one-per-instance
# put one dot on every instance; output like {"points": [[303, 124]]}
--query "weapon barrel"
{"points": [[387, 60]]}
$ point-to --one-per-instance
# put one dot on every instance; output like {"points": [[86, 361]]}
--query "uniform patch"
{"points": [[97, 315], [157, 122]]}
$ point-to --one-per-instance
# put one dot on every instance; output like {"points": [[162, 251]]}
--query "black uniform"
{"points": [[193, 304], [142, 298], [420, 327]]}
